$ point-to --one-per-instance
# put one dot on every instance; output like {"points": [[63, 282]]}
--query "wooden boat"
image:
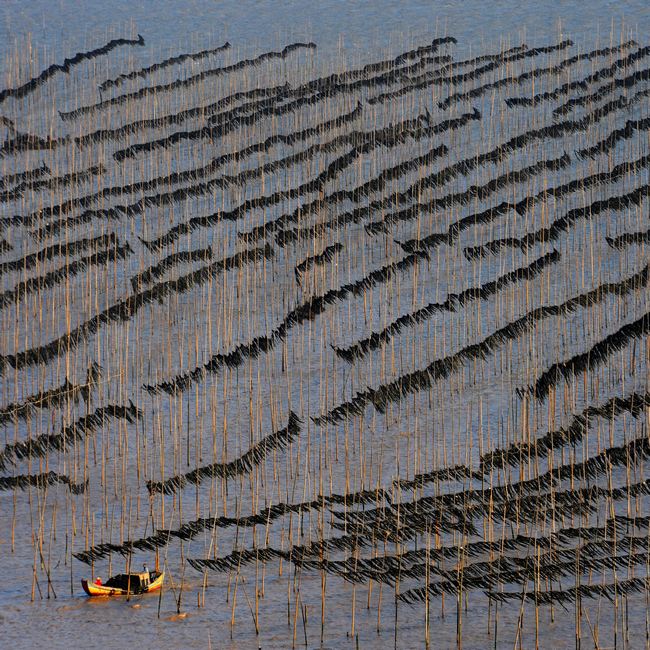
{"points": [[125, 584]]}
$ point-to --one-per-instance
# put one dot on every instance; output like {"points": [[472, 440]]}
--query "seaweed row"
{"points": [[221, 124], [60, 249], [191, 529], [583, 84], [5, 246], [25, 89], [45, 443], [339, 78], [560, 225], [28, 142], [440, 78], [450, 503], [627, 239], [40, 481], [618, 135], [52, 398], [313, 185], [307, 311], [520, 502], [360, 191], [50, 184], [26, 176], [571, 595], [185, 82], [299, 554], [426, 79], [490, 575], [69, 270], [525, 76], [596, 356], [521, 207], [474, 192], [207, 187], [603, 91], [154, 67], [453, 302], [447, 174], [519, 453], [308, 263], [183, 176], [439, 369], [242, 465], [126, 308], [269, 97], [156, 271]]}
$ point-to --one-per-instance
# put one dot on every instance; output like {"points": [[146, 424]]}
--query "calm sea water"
{"points": [[59, 28]]}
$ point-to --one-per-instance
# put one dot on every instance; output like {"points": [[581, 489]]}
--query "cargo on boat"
{"points": [[125, 584]]}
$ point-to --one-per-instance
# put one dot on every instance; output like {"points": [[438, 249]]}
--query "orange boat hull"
{"points": [[95, 590]]}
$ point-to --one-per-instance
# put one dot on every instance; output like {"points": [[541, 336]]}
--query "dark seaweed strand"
{"points": [[408, 564], [188, 175], [307, 311], [475, 192], [221, 124], [372, 186], [21, 142], [308, 263], [269, 97], [627, 239], [597, 355], [522, 207], [525, 501], [69, 270], [523, 452], [26, 176], [313, 185], [519, 79], [190, 530], [490, 575], [242, 465], [42, 445], [595, 540], [560, 225], [207, 187], [40, 481], [583, 84], [125, 309], [359, 192], [516, 54], [52, 398], [183, 83], [603, 91], [463, 167], [51, 184], [154, 67], [5, 246], [453, 302], [567, 596], [28, 87], [156, 271], [618, 135], [443, 76], [438, 369], [389, 72], [60, 249]]}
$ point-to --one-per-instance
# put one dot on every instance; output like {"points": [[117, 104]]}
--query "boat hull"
{"points": [[95, 590]]}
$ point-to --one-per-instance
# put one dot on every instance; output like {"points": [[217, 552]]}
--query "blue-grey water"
{"points": [[471, 412]]}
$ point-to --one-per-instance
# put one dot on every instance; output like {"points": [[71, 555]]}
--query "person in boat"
{"points": [[98, 581]]}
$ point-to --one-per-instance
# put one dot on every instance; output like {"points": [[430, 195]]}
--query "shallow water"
{"points": [[475, 409]]}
